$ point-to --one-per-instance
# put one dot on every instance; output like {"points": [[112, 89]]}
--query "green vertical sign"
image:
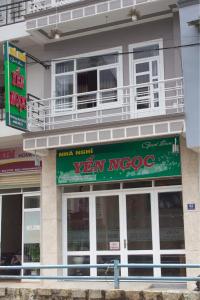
{"points": [[15, 86], [141, 159]]}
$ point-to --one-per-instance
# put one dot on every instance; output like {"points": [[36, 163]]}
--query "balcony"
{"points": [[72, 17], [12, 13], [107, 106], [38, 5]]}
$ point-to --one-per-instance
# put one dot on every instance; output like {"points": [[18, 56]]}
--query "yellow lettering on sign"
{"points": [[84, 151], [18, 54]]}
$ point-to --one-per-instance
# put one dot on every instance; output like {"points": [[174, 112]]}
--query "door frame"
{"points": [[132, 83], [26, 194], [123, 253]]}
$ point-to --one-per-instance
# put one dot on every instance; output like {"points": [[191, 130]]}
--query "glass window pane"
{"points": [[31, 202], [108, 79], [171, 220], [106, 186], [140, 259], [64, 85], [31, 236], [64, 67], [107, 220], [106, 259], [78, 260], [95, 61], [32, 227], [136, 184], [148, 51], [139, 234], [173, 259], [107, 97], [142, 67], [87, 81], [32, 252], [76, 188], [63, 104], [166, 182], [154, 68], [32, 272], [78, 224], [87, 101], [142, 79]]}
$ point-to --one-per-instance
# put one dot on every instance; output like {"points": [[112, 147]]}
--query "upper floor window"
{"points": [[146, 65], [86, 82]]}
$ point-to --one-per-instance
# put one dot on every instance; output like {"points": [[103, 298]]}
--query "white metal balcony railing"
{"points": [[123, 103], [12, 12]]}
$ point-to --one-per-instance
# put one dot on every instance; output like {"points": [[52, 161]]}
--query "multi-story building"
{"points": [[110, 86]]}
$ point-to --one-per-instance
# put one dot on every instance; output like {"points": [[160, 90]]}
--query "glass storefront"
{"points": [[135, 222], [20, 229]]}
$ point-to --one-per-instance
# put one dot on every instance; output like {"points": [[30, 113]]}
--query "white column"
{"points": [[51, 214], [191, 195]]}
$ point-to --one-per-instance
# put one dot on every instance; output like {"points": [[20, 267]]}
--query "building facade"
{"points": [[109, 115]]}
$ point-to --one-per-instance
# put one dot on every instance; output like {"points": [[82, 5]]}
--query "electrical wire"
{"points": [[120, 53]]}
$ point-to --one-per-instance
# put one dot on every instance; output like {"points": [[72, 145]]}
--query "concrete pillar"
{"points": [[51, 215], [191, 194]]}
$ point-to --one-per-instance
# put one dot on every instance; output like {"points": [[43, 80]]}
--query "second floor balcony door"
{"points": [[146, 79]]}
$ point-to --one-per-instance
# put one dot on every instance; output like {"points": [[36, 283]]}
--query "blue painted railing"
{"points": [[115, 265]]}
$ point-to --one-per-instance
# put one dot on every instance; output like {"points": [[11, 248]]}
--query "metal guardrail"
{"points": [[121, 103], [12, 13], [116, 278]]}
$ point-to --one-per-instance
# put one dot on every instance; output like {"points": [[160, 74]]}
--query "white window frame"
{"points": [[118, 66], [156, 252], [161, 109], [38, 209]]}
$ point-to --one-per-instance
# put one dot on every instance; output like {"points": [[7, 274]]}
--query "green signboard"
{"points": [[15, 86], [151, 158]]}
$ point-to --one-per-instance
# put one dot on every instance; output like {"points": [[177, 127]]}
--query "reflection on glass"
{"points": [[64, 85], [78, 224], [142, 79], [171, 220], [139, 222], [32, 236], [106, 186], [147, 51], [108, 79], [64, 67], [78, 260], [32, 272], [173, 259], [76, 188], [32, 252], [32, 202], [142, 67], [166, 182], [140, 259], [106, 259], [107, 220], [107, 97], [137, 184], [87, 101], [95, 61]]}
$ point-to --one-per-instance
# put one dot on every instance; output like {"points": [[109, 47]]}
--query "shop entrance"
{"points": [[131, 225], [20, 230], [11, 231]]}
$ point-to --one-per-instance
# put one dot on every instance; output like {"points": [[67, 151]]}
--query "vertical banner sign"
{"points": [[15, 86], [124, 161]]}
